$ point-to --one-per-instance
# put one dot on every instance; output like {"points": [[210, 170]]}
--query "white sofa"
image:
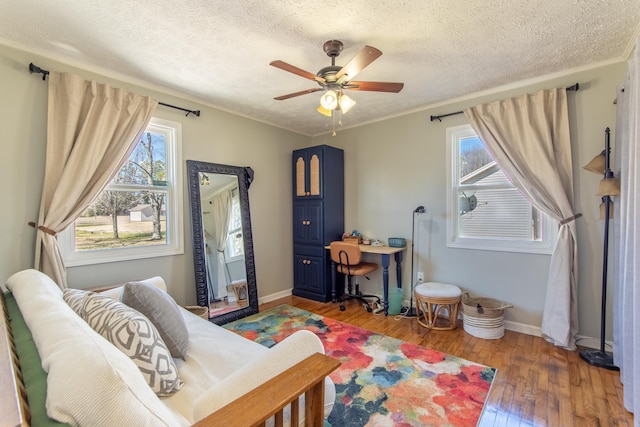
{"points": [[92, 383]]}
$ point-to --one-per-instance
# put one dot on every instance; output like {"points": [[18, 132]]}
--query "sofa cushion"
{"points": [[135, 336], [82, 367], [276, 360], [162, 310]]}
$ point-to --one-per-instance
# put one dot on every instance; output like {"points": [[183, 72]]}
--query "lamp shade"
{"points": [[609, 187], [329, 100], [597, 164], [346, 103], [603, 210], [324, 111]]}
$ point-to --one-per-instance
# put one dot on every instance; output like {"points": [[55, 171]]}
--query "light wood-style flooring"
{"points": [[537, 384]]}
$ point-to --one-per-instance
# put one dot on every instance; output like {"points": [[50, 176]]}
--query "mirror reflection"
{"points": [[223, 249], [223, 243]]}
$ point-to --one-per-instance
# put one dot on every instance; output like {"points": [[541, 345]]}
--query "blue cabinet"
{"points": [[318, 217]]}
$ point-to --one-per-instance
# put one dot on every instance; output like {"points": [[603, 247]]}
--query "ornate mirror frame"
{"points": [[245, 176]]}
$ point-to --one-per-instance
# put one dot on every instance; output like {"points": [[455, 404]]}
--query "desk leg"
{"points": [[385, 282], [398, 257], [333, 281]]}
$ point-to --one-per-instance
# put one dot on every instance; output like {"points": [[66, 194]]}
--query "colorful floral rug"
{"points": [[382, 381]]}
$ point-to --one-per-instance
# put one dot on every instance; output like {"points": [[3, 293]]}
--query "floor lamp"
{"points": [[609, 186], [411, 312]]}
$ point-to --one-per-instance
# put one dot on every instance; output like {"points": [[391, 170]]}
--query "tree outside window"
{"points": [[139, 210]]}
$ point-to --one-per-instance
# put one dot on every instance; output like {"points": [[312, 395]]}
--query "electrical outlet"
{"points": [[420, 276]]}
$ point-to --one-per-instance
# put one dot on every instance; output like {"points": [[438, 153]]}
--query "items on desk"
{"points": [[397, 242], [353, 237], [352, 240]]}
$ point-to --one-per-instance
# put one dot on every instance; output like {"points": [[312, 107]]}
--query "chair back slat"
{"points": [[345, 253]]}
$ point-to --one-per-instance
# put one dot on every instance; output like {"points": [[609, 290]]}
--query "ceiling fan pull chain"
{"points": [[333, 118]]}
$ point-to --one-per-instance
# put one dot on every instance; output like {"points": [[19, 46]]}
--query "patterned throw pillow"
{"points": [[136, 337], [74, 298]]}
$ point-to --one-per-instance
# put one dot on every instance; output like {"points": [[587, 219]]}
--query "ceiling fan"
{"points": [[334, 80]]}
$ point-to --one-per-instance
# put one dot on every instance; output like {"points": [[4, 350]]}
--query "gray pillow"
{"points": [[162, 311]]}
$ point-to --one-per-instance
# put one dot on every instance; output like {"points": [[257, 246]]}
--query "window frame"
{"points": [[173, 207], [548, 227], [233, 258]]}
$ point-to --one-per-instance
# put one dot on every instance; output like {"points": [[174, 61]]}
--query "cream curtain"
{"points": [[91, 131], [626, 240], [221, 217], [529, 138]]}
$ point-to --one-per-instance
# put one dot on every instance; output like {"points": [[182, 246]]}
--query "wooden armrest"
{"points": [[101, 288], [13, 398], [270, 398]]}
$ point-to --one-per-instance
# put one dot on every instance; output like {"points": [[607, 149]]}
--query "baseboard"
{"points": [[523, 328], [591, 342], [273, 297], [581, 340]]}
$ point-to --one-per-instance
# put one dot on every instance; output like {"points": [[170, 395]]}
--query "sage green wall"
{"points": [[395, 165], [392, 166], [216, 136]]}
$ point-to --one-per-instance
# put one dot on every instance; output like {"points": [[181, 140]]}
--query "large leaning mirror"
{"points": [[222, 242]]}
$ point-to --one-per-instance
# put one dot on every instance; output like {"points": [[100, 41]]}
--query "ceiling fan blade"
{"points": [[363, 58], [376, 86], [295, 70], [292, 95]]}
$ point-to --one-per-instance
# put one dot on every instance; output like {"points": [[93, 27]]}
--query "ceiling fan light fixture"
{"points": [[346, 103], [324, 111], [329, 101]]}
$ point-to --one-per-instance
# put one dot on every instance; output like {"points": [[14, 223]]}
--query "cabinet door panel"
{"points": [[299, 167], [300, 222], [315, 222], [300, 272], [308, 268], [315, 274], [307, 173]]}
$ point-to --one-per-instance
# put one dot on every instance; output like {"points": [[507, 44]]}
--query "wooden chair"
{"points": [[348, 259]]}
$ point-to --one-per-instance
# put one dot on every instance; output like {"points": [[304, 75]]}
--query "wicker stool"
{"points": [[240, 291], [431, 299]]}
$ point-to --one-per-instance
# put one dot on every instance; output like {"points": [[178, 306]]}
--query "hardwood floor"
{"points": [[537, 384]]}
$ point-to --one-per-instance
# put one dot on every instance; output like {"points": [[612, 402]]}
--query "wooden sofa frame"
{"points": [[265, 401]]}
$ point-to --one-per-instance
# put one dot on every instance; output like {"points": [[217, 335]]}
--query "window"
{"points": [[235, 241], [484, 210], [139, 213]]}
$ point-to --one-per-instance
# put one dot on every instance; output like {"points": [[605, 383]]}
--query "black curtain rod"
{"points": [[35, 69], [573, 88]]}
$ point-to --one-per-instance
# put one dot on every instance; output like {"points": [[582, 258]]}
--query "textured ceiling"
{"points": [[219, 51]]}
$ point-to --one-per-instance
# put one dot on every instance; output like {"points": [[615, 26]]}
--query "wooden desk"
{"points": [[385, 253]]}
